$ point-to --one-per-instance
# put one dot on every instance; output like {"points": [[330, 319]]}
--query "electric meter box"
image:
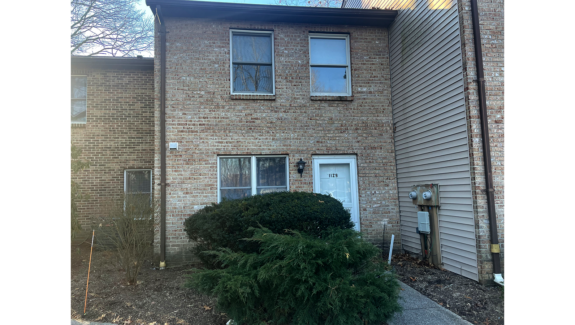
{"points": [[423, 222], [425, 194]]}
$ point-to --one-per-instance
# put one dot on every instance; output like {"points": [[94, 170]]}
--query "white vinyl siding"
{"points": [[431, 139]]}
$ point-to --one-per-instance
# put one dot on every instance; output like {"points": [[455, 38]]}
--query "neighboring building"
{"points": [[435, 104], [113, 124]]}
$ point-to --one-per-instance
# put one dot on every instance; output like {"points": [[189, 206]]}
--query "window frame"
{"points": [[139, 170], [71, 99], [253, 171], [247, 32], [347, 66]]}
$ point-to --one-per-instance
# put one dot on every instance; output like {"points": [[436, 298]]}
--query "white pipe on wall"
{"points": [[390, 249]]}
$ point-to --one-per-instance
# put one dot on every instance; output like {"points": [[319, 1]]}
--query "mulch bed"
{"points": [[472, 301], [159, 297]]}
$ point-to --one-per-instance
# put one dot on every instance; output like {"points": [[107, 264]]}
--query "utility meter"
{"points": [[413, 195], [423, 222], [427, 195]]}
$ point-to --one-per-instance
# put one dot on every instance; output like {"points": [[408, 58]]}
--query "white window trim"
{"points": [[348, 67], [81, 75], [244, 31], [253, 171], [138, 170]]}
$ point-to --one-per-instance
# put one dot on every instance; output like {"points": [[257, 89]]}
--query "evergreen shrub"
{"points": [[302, 279], [226, 223]]}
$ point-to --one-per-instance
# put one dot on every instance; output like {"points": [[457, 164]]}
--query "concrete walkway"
{"points": [[420, 310]]}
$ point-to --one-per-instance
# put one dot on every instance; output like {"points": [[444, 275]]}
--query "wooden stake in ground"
{"points": [[89, 265]]}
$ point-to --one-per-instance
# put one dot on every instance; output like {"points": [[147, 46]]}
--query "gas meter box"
{"points": [[423, 222]]}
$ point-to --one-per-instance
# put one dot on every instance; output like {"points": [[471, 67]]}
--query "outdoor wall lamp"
{"points": [[300, 167]]}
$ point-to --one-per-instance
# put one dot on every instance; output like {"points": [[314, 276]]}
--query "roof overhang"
{"points": [[272, 14], [110, 62]]}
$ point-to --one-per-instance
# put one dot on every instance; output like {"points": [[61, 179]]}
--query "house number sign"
{"points": [[332, 175]]}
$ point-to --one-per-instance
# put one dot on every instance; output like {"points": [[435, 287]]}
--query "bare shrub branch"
{"points": [[128, 227], [76, 193]]}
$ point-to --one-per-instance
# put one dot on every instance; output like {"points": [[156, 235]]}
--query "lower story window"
{"points": [[138, 182], [243, 176]]}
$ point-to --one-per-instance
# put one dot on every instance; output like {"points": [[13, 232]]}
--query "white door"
{"points": [[336, 176]]}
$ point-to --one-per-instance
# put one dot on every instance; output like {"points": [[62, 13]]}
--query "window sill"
{"points": [[78, 125], [333, 98], [251, 96]]}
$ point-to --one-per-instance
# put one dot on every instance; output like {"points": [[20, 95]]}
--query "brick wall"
{"points": [[118, 134], [206, 121], [492, 39]]}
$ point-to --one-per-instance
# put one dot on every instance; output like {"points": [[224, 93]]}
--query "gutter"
{"points": [[486, 147], [162, 32], [107, 62], [274, 14]]}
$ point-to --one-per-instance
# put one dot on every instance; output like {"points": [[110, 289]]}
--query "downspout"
{"points": [[486, 147], [162, 23]]}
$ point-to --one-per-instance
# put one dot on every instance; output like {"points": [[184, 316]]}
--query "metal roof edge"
{"points": [[274, 13], [111, 62]]}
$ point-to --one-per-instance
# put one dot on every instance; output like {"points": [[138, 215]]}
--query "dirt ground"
{"points": [[472, 301], [159, 298]]}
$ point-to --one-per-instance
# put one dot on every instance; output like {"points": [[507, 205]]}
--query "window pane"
{"points": [[271, 190], [138, 181], [271, 171], [249, 48], [328, 80], [236, 193], [328, 51], [136, 199], [79, 87], [235, 172], [78, 110], [256, 78]]}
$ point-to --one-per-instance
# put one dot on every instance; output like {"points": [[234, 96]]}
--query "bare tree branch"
{"points": [[110, 27]]}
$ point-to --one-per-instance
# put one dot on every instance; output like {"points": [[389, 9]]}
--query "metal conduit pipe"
{"points": [[162, 24], [486, 147]]}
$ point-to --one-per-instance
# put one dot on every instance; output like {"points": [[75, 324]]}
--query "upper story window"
{"points": [[330, 73], [252, 62], [243, 176], [79, 96]]}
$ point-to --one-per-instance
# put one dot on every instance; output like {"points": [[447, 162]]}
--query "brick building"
{"points": [[373, 101], [113, 125], [340, 125]]}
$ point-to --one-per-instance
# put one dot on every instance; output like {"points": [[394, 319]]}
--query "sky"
{"points": [[142, 6], [142, 3]]}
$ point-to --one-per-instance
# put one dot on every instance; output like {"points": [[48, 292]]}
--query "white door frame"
{"points": [[340, 159]]}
